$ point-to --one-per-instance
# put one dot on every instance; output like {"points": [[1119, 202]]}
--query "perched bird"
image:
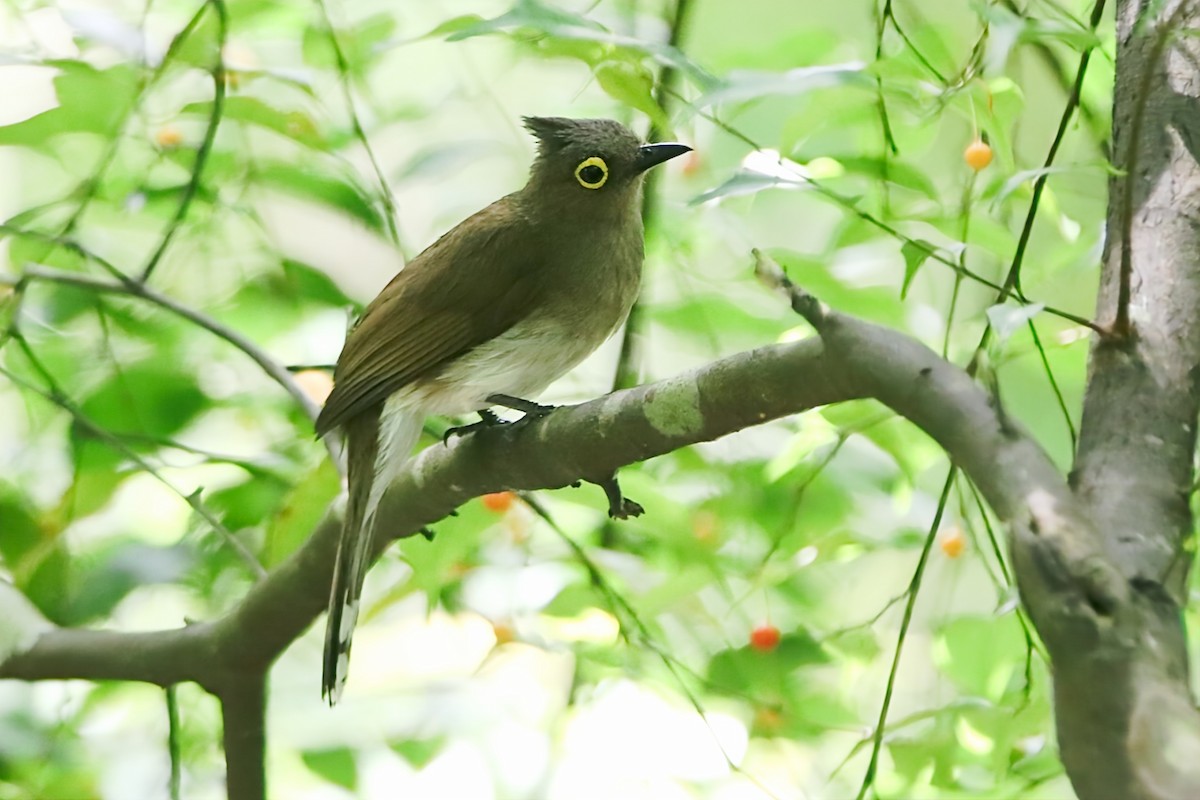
{"points": [[493, 312]]}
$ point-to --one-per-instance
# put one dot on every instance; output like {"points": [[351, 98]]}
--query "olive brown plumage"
{"points": [[503, 304]]}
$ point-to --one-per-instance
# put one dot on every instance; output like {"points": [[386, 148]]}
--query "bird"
{"points": [[490, 314]]}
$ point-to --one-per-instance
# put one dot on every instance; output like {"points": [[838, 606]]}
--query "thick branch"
{"points": [[588, 441], [1126, 720], [243, 720], [1074, 593], [1139, 414]]}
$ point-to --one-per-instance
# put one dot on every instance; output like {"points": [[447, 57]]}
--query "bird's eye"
{"points": [[592, 172]]}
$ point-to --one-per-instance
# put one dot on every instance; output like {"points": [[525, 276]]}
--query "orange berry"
{"points": [[953, 543], [978, 154], [498, 501], [764, 638], [691, 164], [169, 136]]}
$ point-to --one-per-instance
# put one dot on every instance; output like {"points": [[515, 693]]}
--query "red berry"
{"points": [[764, 638]]}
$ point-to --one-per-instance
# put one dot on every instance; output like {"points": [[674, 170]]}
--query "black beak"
{"points": [[651, 155]]}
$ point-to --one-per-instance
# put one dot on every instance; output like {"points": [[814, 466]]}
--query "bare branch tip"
{"points": [[768, 271]]}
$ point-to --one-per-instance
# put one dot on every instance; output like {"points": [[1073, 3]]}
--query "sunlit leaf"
{"points": [[738, 87], [90, 100], [338, 766], [295, 125], [418, 752], [633, 85], [746, 182], [915, 253], [1006, 318], [337, 191], [296, 517]]}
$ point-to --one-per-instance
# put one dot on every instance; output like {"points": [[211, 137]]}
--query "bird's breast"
{"points": [[584, 298]]}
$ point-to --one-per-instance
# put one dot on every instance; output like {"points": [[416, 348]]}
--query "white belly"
{"points": [[521, 363]]}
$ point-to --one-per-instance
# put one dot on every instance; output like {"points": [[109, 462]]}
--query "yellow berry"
{"points": [[953, 543], [978, 155]]}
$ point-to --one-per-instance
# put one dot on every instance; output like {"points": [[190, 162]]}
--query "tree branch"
{"points": [[243, 717], [586, 441], [1079, 600]]}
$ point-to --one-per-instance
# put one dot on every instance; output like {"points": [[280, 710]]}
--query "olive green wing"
{"points": [[467, 288]]}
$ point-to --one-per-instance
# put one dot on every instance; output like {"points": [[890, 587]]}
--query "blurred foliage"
{"points": [[291, 155]]}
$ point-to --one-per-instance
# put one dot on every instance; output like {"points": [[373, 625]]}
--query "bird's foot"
{"points": [[619, 506], [486, 420], [530, 409]]}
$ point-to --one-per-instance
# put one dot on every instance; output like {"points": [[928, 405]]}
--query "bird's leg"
{"points": [[530, 409], [619, 506], [486, 420]]}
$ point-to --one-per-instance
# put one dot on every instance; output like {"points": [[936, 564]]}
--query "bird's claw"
{"points": [[619, 506], [486, 420]]}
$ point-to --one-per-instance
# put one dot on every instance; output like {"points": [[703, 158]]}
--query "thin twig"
{"points": [[174, 750], [270, 366], [964, 235], [205, 148], [905, 621], [1013, 279], [391, 212]]}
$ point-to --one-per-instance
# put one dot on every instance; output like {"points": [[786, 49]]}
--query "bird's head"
{"points": [[591, 164]]}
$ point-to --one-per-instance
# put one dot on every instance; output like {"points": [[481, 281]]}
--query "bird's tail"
{"points": [[378, 445]]}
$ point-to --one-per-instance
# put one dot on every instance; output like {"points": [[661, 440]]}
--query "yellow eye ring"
{"points": [[586, 172]]}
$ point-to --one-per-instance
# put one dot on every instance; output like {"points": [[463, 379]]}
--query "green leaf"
{"points": [[535, 15], [308, 182], [528, 14], [454, 25], [753, 671], [915, 252], [360, 45], [747, 182], [90, 100], [336, 766], [303, 507], [980, 654], [741, 86], [115, 572], [1006, 318], [894, 171], [418, 752], [295, 125], [877, 303], [633, 85], [22, 534], [245, 504], [154, 398], [98, 473], [311, 283]]}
